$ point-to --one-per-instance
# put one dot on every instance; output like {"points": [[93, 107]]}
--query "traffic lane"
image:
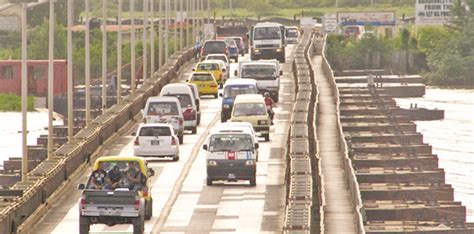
{"points": [[235, 206]]}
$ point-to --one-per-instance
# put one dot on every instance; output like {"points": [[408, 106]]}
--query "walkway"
{"points": [[338, 211]]}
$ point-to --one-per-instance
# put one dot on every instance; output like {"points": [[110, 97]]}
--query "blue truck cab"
{"points": [[232, 88]]}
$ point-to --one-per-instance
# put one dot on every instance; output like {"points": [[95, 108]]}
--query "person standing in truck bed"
{"points": [[97, 178]]}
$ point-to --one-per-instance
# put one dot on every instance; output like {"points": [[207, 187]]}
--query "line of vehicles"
{"points": [[231, 147]]}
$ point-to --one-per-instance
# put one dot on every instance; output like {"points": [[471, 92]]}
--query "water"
{"points": [[10, 132], [452, 138]]}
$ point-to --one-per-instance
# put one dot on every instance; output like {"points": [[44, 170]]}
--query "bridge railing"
{"points": [[349, 170], [49, 175]]}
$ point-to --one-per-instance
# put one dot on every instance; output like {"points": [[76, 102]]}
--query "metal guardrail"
{"points": [[51, 173], [349, 170]]}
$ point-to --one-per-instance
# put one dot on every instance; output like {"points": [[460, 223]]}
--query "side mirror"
{"points": [[281, 73], [223, 70], [220, 95], [256, 146], [81, 186], [194, 69], [236, 73], [187, 80], [151, 172], [204, 147], [134, 133]]}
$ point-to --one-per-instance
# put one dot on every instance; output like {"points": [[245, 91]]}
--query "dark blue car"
{"points": [[232, 88]]}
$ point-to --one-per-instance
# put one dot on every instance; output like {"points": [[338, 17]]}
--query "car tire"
{"points": [[208, 181], [149, 209], [198, 121], [194, 130], [138, 225], [236, 59], [223, 119], [253, 181], [175, 158], [180, 139], [267, 137], [282, 59], [215, 95], [84, 225]]}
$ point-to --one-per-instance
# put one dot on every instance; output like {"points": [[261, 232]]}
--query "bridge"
{"points": [[343, 158]]}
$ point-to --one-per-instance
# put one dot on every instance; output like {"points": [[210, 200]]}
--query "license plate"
{"points": [[109, 212], [202, 85], [231, 176], [155, 142]]}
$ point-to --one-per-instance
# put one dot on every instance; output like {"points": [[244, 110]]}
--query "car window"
{"points": [[202, 77], [230, 142], [208, 66], [234, 90], [162, 108], [249, 109], [267, 33], [258, 71], [155, 131], [291, 33], [214, 46], [230, 42], [184, 99]]}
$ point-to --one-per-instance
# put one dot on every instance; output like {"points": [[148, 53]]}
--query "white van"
{"points": [[165, 110], [251, 108], [239, 126], [231, 155], [188, 104], [267, 74]]}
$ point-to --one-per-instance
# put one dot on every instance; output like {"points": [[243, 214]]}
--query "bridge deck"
{"points": [[338, 211]]}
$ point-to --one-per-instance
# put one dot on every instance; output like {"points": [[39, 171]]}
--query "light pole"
{"points": [[24, 96], [88, 64], [70, 84], [119, 53], [208, 11], [132, 46], [152, 37], [188, 24], [160, 32], [145, 28], [175, 31], [104, 55], [51, 80], [167, 25], [181, 25]]}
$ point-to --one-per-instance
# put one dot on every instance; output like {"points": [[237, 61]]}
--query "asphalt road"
{"points": [[181, 200]]}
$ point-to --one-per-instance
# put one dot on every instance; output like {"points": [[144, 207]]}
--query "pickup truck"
{"points": [[267, 74], [120, 205]]}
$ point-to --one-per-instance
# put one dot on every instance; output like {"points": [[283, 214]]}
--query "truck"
{"points": [[267, 74], [120, 205], [267, 41], [234, 30]]}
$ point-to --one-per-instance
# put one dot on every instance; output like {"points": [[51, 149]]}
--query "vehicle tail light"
{"points": [[212, 85], [137, 203], [136, 142], [189, 114], [145, 194], [83, 202], [173, 140]]}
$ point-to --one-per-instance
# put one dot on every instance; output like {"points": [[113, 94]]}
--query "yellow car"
{"points": [[205, 82], [217, 68], [109, 162]]}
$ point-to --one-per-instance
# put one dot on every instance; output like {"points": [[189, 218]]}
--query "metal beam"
{"points": [[50, 79], [88, 64], [70, 82], [104, 56], [119, 53], [132, 47], [24, 95]]}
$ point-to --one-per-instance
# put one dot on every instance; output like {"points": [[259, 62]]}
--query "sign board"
{"points": [[432, 12], [209, 29], [307, 22], [9, 23], [372, 18], [330, 22]]}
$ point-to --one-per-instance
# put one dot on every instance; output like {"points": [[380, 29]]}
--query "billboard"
{"points": [[373, 18], [433, 12], [330, 22]]}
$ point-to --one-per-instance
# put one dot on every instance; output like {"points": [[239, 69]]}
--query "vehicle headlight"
{"points": [[250, 162], [226, 106], [262, 122], [211, 163], [256, 51], [279, 50]]}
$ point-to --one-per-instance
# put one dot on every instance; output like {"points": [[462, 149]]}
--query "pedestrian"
{"points": [[269, 103], [197, 49], [97, 178]]}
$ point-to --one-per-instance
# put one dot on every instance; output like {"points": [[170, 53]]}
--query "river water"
{"points": [[452, 138]]}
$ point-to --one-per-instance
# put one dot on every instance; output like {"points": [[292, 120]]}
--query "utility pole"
{"points": [[145, 29], [51, 80], [104, 55], [188, 22], [181, 24], [24, 95], [132, 47], [152, 37], [88, 64], [208, 11], [70, 82], [160, 32], [167, 25], [175, 31], [119, 53]]}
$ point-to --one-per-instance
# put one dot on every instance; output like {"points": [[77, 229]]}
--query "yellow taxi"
{"points": [[217, 68], [205, 82]]}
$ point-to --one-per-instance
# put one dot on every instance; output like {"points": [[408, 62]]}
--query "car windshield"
{"points": [[249, 109], [237, 40], [184, 99], [162, 108], [202, 77], [292, 33], [122, 165], [230, 142], [234, 90], [230, 42], [155, 131], [214, 46], [208, 66], [256, 71], [267, 33]]}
